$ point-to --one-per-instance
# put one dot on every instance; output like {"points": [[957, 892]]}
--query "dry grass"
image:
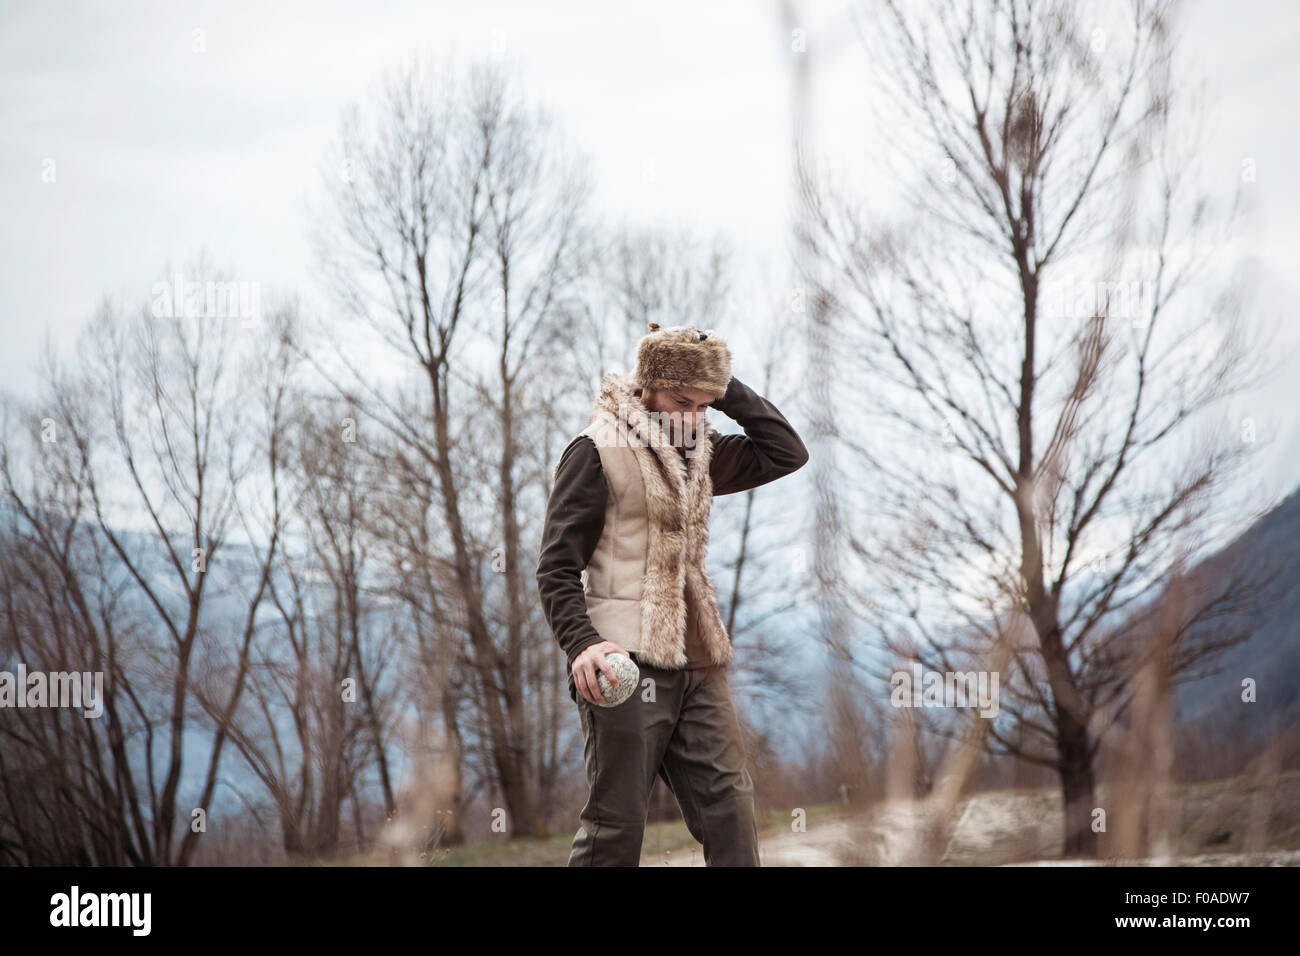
{"points": [[991, 828]]}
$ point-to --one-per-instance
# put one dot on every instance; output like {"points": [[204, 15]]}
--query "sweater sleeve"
{"points": [[769, 449], [575, 518]]}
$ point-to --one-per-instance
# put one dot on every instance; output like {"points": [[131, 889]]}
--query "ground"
{"points": [[1009, 827], [995, 828]]}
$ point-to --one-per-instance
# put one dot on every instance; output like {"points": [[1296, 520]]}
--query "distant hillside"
{"points": [[1271, 654]]}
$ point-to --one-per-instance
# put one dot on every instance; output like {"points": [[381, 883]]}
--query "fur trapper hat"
{"points": [[682, 356]]}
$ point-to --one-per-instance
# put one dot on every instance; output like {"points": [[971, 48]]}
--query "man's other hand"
{"points": [[584, 670]]}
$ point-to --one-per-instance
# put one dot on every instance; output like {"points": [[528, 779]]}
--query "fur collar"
{"points": [[679, 494], [619, 403]]}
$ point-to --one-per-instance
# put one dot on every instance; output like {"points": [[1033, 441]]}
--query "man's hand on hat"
{"points": [[720, 403]]}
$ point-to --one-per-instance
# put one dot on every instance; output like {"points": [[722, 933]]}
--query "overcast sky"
{"points": [[683, 107]]}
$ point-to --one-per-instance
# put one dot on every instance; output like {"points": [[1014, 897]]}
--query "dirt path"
{"points": [[1016, 828], [815, 848]]}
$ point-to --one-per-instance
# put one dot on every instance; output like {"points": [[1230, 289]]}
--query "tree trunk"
{"points": [[451, 816], [1078, 797]]}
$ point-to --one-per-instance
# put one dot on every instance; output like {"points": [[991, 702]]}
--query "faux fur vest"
{"points": [[652, 551]]}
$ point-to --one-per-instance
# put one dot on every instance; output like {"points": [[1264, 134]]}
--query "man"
{"points": [[623, 569]]}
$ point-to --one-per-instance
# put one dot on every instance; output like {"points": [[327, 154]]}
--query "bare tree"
{"points": [[136, 458], [540, 249], [1040, 445], [305, 732], [420, 585], [454, 236]]}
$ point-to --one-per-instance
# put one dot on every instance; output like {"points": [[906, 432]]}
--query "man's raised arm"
{"points": [[769, 449]]}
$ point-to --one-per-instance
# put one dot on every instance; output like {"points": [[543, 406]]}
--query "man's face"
{"points": [[686, 405]]}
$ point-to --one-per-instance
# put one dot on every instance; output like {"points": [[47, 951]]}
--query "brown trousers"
{"points": [[688, 735]]}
